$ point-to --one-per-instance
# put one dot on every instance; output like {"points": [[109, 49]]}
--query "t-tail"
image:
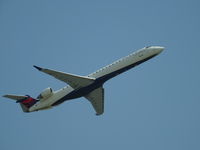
{"points": [[25, 101]]}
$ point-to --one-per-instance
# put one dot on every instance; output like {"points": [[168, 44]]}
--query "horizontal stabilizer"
{"points": [[74, 81], [15, 97]]}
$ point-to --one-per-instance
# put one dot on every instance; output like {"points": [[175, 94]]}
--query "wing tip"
{"points": [[38, 68], [99, 114]]}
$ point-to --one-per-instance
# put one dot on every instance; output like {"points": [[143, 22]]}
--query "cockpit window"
{"points": [[147, 46]]}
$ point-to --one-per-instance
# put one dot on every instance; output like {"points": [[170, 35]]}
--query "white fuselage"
{"points": [[108, 72]]}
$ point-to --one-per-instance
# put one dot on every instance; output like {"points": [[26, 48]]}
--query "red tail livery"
{"points": [[27, 101]]}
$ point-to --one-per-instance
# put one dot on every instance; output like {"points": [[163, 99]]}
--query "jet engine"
{"points": [[46, 93]]}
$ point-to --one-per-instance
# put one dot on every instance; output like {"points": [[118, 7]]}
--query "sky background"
{"points": [[154, 106]]}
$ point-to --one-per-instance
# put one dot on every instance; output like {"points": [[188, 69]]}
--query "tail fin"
{"points": [[25, 101]]}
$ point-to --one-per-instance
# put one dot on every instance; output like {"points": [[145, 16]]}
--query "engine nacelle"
{"points": [[46, 93]]}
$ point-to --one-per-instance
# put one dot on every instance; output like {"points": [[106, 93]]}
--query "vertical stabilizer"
{"points": [[26, 103], [24, 108]]}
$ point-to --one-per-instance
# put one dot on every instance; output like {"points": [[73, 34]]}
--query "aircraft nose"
{"points": [[158, 49]]}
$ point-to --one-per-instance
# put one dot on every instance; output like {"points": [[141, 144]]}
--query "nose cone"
{"points": [[155, 49], [159, 49]]}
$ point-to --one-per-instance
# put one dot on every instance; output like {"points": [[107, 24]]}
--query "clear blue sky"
{"points": [[154, 106]]}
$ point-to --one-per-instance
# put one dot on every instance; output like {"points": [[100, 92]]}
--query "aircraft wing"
{"points": [[96, 98], [15, 97], [74, 81]]}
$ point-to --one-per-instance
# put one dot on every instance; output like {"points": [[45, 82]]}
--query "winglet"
{"points": [[38, 68]]}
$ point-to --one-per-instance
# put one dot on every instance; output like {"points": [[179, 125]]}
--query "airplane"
{"points": [[90, 86]]}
